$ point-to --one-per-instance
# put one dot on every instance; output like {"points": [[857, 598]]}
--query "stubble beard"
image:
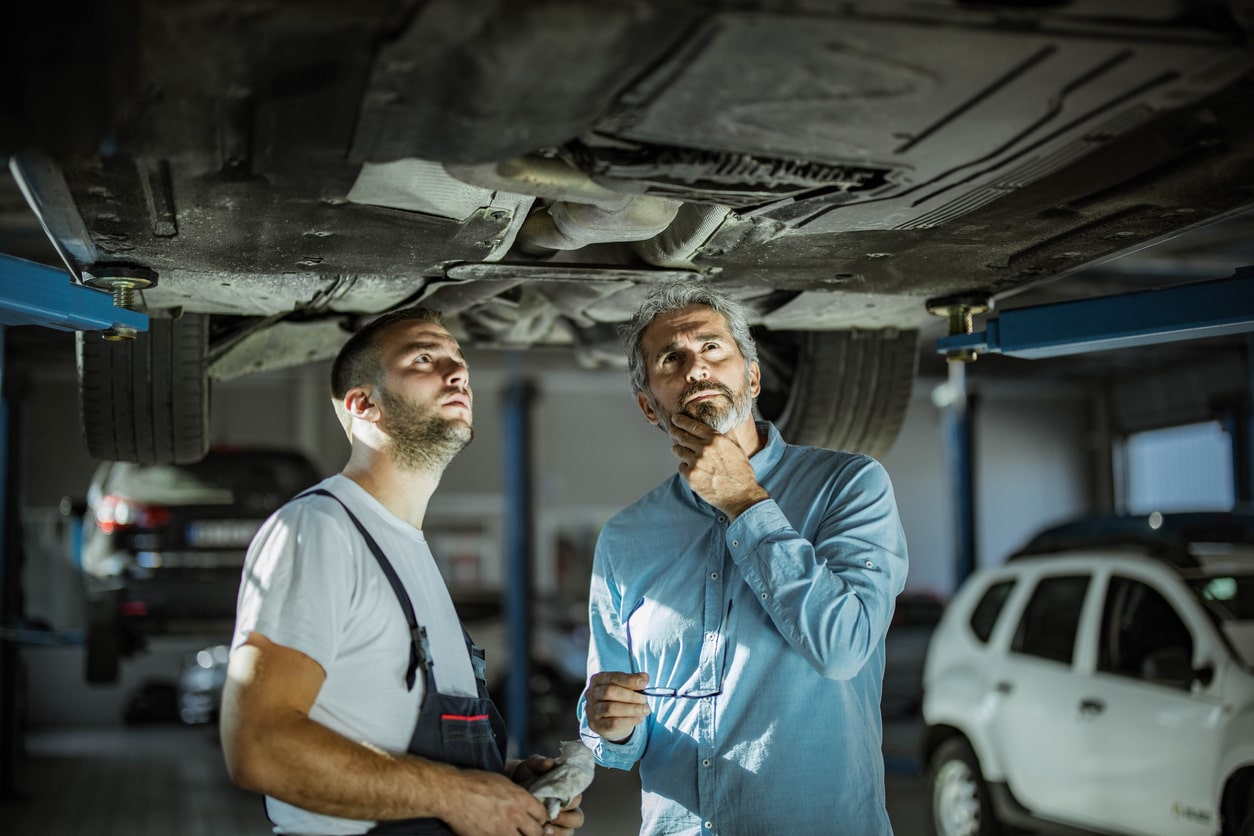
{"points": [[420, 438]]}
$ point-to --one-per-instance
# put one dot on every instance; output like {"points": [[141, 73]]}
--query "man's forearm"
{"points": [[303, 763]]}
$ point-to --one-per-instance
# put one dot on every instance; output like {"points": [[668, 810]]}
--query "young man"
{"points": [[738, 611], [354, 701]]}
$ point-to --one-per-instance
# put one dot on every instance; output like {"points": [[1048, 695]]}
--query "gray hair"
{"points": [[672, 296]]}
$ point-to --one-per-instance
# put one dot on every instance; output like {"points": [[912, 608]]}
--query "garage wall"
{"points": [[1033, 452]]}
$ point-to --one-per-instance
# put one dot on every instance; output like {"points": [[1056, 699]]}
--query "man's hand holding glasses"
{"points": [[615, 703]]}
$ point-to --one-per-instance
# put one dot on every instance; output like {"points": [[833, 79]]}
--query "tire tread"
{"points": [[146, 400], [851, 389]]}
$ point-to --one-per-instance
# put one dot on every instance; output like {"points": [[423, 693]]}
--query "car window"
{"points": [[1230, 597], [984, 616], [1229, 600], [1140, 628], [1051, 618]]}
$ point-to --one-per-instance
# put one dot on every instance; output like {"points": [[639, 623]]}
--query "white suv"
{"points": [[1101, 681]]}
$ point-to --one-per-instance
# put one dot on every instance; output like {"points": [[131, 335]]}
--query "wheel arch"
{"points": [[1236, 800], [936, 734]]}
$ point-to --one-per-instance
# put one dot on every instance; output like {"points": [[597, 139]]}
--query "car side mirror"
{"points": [[1172, 666]]}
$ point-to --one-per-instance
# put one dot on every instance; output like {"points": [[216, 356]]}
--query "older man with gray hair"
{"points": [[738, 611]]}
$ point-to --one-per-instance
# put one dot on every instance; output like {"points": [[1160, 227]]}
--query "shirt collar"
{"points": [[764, 460]]}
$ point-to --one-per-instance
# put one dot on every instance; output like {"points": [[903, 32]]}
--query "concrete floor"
{"points": [[162, 779], [88, 772]]}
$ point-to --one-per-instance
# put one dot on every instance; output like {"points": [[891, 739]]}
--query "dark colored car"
{"points": [[163, 545], [260, 178], [905, 651]]}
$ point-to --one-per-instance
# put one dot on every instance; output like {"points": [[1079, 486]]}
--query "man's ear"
{"points": [[358, 405], [755, 379], [646, 406]]}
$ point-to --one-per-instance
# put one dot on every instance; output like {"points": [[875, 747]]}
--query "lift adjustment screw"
{"points": [[122, 280], [960, 310]]}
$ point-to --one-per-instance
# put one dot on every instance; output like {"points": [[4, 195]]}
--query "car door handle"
{"points": [[1092, 706], [1003, 687]]}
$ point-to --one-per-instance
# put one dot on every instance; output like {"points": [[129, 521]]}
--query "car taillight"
{"points": [[115, 513], [134, 609]]}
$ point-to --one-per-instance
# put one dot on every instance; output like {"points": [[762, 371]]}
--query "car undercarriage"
{"points": [[262, 177]]}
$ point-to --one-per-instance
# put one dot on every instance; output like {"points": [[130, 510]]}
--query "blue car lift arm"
{"points": [[1148, 317], [35, 294]]}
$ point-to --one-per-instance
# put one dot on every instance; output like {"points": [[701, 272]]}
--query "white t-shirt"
{"points": [[311, 583]]}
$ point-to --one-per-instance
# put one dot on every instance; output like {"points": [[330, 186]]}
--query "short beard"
{"points": [[712, 413], [421, 439]]}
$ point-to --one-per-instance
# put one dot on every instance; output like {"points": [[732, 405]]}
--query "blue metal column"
{"points": [[518, 538], [1241, 431], [10, 727], [957, 420], [1236, 417]]}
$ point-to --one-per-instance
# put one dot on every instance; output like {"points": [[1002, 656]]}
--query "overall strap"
{"points": [[417, 635]]}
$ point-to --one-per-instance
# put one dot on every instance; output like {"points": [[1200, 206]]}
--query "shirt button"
{"points": [[709, 637], [722, 519], [763, 596], [870, 565], [709, 825], [714, 575], [735, 542], [706, 762]]}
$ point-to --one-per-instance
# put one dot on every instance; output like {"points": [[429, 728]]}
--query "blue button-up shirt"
{"points": [[770, 629]]}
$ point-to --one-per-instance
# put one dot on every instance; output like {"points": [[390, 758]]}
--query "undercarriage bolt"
{"points": [[122, 280]]}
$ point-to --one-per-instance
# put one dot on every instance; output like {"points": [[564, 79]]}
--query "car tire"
{"points": [[103, 647], [843, 390], [146, 400], [959, 799], [1238, 805]]}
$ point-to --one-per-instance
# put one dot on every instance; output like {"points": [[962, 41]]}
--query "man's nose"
{"points": [[697, 369], [458, 375]]}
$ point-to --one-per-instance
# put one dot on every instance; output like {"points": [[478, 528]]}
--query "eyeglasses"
{"points": [[696, 694]]}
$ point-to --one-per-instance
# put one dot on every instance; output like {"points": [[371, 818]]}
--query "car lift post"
{"points": [[518, 396], [958, 420], [33, 294], [1243, 433], [10, 722], [1237, 419]]}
